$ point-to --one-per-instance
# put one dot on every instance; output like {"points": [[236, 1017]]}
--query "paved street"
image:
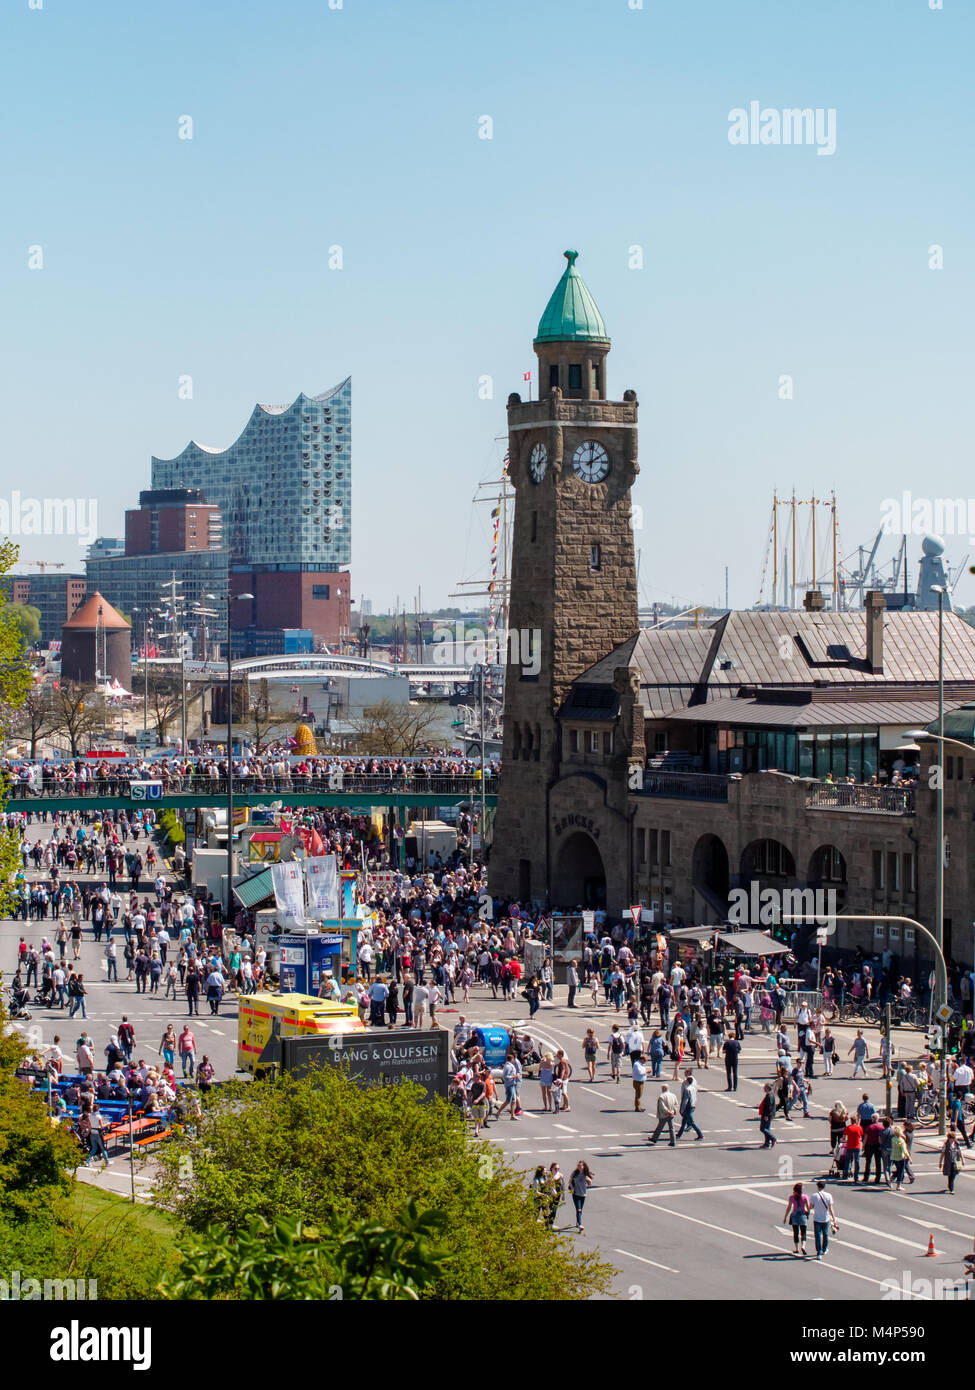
{"points": [[703, 1221]]}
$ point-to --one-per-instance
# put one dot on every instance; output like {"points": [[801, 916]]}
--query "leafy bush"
{"points": [[322, 1150]]}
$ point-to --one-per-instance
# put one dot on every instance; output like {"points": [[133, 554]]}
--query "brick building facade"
{"points": [[670, 767]]}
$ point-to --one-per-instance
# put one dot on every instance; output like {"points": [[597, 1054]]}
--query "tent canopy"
{"points": [[752, 943]]}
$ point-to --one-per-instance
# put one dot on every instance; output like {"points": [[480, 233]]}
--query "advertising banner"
{"points": [[321, 875], [289, 893], [376, 1060]]}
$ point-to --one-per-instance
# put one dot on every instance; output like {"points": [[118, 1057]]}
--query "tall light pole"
{"points": [[146, 626], [483, 773], [909, 921], [229, 599]]}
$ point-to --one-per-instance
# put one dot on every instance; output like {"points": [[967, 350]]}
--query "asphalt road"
{"points": [[702, 1221]]}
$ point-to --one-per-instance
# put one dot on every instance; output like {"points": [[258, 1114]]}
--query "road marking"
{"points": [[768, 1245], [717, 1187], [939, 1206], [219, 1032], [933, 1225], [859, 1226], [848, 1244], [644, 1260], [568, 1129]]}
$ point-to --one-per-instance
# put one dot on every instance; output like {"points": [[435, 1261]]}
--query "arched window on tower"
{"points": [[594, 558], [526, 747]]}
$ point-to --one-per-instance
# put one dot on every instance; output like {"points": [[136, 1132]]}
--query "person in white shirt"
{"points": [[635, 1043], [961, 1078], [824, 1217], [420, 996]]}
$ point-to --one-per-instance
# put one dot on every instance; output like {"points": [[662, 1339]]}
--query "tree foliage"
{"points": [[34, 1154], [291, 1260], [322, 1150], [390, 729], [27, 619], [15, 685]]}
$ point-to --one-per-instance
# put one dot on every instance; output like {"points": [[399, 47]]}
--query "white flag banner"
{"points": [[321, 875], [289, 893]]}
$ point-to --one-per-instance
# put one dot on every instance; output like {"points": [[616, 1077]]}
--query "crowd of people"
{"points": [[274, 769]]}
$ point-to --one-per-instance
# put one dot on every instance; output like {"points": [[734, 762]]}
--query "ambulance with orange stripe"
{"points": [[263, 1017]]}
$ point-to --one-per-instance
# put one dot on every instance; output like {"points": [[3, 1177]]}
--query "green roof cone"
{"points": [[571, 314]]}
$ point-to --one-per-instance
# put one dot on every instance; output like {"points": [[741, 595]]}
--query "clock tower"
{"points": [[572, 459]]}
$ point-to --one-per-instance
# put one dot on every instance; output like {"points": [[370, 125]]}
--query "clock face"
{"points": [[590, 462], [537, 463]]}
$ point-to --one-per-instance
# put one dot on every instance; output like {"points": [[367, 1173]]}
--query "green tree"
{"points": [[27, 619], [287, 1259], [15, 684], [322, 1150], [34, 1154]]}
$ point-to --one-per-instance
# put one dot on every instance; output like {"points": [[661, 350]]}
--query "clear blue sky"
{"points": [[359, 127]]}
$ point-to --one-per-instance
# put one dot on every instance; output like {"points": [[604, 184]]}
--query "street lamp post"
{"points": [[909, 921], [146, 626], [229, 599]]}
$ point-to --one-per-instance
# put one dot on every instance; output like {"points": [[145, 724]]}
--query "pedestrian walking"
{"points": [[639, 1074], [732, 1052], [853, 1137], [823, 1211], [554, 1194], [580, 1182], [899, 1156], [860, 1054], [766, 1114], [187, 1051], [167, 1045], [797, 1216], [688, 1104], [511, 1076], [951, 1160], [666, 1110], [614, 1053], [546, 1071], [563, 1071], [590, 1051]]}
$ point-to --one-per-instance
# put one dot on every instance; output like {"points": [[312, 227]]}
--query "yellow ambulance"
{"points": [[263, 1017]]}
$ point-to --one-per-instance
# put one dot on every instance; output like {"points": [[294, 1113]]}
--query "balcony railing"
{"points": [[683, 786], [461, 785], [846, 796]]}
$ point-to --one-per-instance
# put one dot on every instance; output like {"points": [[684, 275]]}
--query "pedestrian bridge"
{"points": [[313, 663], [339, 788]]}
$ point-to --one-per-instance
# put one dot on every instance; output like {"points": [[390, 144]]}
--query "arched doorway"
{"points": [[579, 874], [710, 876]]}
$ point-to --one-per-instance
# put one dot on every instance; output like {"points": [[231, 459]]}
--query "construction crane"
{"points": [[43, 565]]}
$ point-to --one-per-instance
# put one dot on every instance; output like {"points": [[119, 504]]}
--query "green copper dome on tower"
{"points": [[571, 314]]}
